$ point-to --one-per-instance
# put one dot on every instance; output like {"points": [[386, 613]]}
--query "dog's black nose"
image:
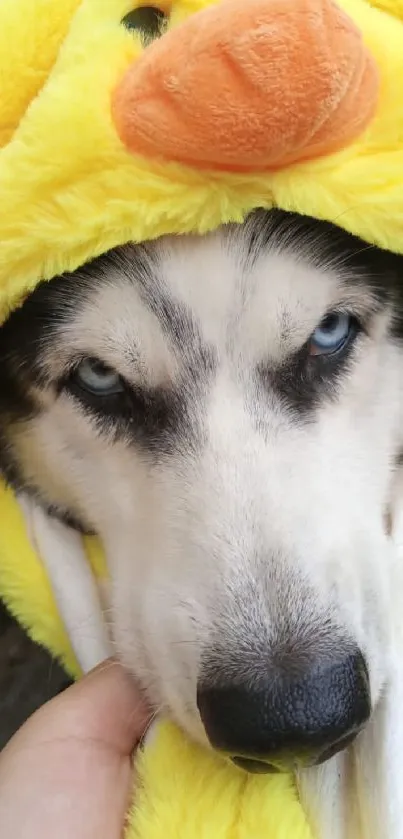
{"points": [[284, 721]]}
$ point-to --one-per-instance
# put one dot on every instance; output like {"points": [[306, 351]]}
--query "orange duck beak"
{"points": [[248, 85]]}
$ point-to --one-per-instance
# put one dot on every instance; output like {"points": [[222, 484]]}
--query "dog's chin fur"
{"points": [[240, 484]]}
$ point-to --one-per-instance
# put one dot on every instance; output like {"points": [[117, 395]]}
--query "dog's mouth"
{"points": [[290, 763], [335, 748], [255, 767]]}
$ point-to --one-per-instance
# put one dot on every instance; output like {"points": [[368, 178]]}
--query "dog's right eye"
{"points": [[333, 333], [94, 377]]}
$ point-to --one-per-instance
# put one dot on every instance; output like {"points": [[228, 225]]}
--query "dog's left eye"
{"points": [[332, 334], [96, 378]]}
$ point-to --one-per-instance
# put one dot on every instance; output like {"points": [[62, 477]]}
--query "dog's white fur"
{"points": [[192, 540]]}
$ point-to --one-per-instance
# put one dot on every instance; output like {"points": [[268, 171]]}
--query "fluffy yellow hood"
{"points": [[103, 139]]}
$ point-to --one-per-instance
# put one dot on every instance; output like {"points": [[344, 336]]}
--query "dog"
{"points": [[225, 413]]}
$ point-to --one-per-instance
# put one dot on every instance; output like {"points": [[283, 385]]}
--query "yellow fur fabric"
{"points": [[182, 791], [69, 188]]}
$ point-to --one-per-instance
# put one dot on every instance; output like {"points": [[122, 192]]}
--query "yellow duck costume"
{"points": [[120, 121]]}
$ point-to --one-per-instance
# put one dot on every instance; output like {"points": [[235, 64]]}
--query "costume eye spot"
{"points": [[148, 21]]}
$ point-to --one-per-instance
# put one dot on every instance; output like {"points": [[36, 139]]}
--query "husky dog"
{"points": [[226, 413]]}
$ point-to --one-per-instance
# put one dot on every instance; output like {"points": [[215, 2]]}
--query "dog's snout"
{"points": [[285, 721]]}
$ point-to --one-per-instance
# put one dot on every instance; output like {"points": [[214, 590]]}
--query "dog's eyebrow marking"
{"points": [[143, 267], [376, 272]]}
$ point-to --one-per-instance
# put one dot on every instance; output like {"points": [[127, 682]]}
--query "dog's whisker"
{"points": [[157, 712]]}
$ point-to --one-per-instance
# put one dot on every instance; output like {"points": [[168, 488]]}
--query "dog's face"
{"points": [[225, 413]]}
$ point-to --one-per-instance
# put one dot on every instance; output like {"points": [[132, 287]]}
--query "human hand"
{"points": [[68, 771]]}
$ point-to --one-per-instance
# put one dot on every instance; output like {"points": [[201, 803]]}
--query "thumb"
{"points": [[68, 771]]}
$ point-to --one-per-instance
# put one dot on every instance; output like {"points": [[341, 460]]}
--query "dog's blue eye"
{"points": [[96, 378], [332, 334]]}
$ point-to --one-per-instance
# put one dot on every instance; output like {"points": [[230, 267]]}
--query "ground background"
{"points": [[28, 677]]}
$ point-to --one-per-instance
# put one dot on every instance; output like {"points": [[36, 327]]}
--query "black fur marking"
{"points": [[67, 518], [303, 381], [156, 420]]}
